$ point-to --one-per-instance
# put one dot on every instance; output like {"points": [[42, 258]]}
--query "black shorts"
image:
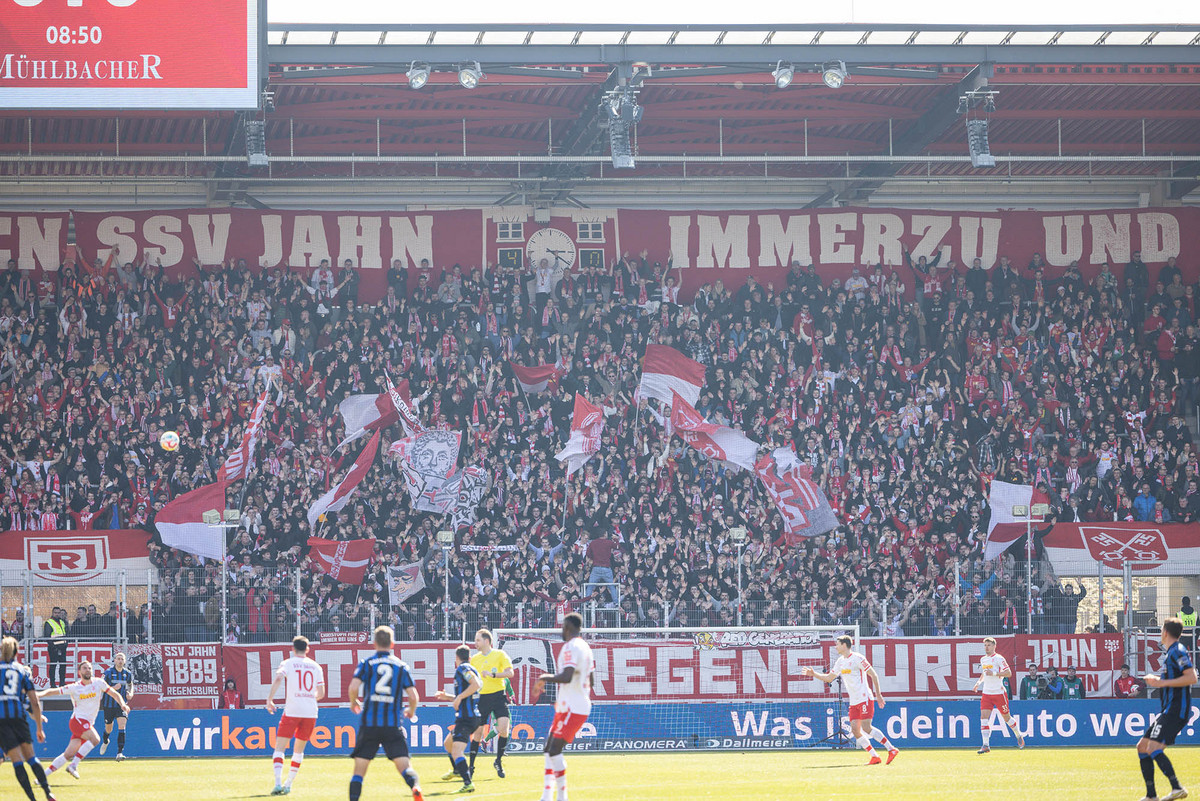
{"points": [[14, 732], [494, 704], [111, 713], [464, 728], [1165, 729], [371, 738]]}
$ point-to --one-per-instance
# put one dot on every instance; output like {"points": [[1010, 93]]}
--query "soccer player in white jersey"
{"points": [[85, 694], [573, 706], [993, 669], [305, 687], [857, 676]]}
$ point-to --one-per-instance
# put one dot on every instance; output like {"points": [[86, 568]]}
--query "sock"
{"points": [[278, 763], [294, 768], [355, 787], [121, 741], [23, 779], [474, 752], [39, 773], [58, 762], [451, 758], [1148, 774], [986, 730], [559, 763], [877, 735], [865, 744], [548, 783], [410, 777], [82, 753], [104, 735], [501, 744], [1164, 764], [460, 767]]}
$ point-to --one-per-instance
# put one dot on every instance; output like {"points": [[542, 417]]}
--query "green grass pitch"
{"points": [[1096, 774]]}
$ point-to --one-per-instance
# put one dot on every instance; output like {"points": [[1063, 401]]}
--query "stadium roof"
{"points": [[1087, 101]]}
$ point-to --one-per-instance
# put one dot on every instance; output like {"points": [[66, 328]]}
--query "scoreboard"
{"points": [[123, 54]]}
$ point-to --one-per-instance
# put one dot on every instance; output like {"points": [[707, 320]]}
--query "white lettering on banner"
{"points": [[5, 230], [966, 663], [724, 245], [681, 250], [272, 229], [1159, 235], [160, 231], [630, 678], [39, 247], [759, 675], [675, 674], [972, 249], [309, 244], [412, 239], [1064, 239], [933, 229], [779, 243], [1062, 653], [114, 232], [794, 661], [210, 249], [716, 673], [360, 235], [833, 228], [931, 667], [881, 239], [1110, 238]]}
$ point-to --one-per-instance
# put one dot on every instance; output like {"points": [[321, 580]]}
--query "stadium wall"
{"points": [[637, 727]]}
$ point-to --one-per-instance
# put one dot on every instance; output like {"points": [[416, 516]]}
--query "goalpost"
{"points": [[679, 688]]}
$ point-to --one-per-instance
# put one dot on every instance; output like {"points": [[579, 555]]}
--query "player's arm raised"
{"points": [[873, 679], [274, 689], [825, 677]]}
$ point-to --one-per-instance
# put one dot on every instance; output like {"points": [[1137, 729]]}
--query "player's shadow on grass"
{"points": [[827, 767]]}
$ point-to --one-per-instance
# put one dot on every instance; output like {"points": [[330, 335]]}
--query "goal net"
{"points": [[687, 688]]}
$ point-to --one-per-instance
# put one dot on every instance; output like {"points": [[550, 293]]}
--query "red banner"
{"points": [[34, 241], [706, 246], [1151, 549], [191, 670], [715, 666], [121, 53]]}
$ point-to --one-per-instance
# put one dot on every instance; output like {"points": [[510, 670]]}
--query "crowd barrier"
{"points": [[630, 727]]}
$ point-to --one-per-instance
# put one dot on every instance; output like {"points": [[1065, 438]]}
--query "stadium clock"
{"points": [[549, 244]]}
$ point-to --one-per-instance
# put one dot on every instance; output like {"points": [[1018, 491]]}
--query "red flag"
{"points": [[536, 379], [345, 561], [665, 369], [401, 398], [237, 464], [714, 441], [805, 509], [181, 522], [365, 413], [340, 495], [586, 425]]}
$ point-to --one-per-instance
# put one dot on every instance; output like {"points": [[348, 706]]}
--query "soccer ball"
{"points": [[169, 441]]}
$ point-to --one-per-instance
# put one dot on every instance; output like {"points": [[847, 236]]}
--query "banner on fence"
{"points": [[706, 246], [1153, 550], [76, 557]]}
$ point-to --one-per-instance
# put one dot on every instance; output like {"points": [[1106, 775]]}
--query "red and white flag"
{"points": [[586, 425], [536, 379], [340, 495], [666, 370], [345, 561], [1150, 549], [237, 464], [181, 522], [1004, 527], [401, 398], [365, 413], [805, 510], [714, 441]]}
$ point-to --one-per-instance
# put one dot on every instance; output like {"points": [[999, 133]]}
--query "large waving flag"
{"points": [[181, 522], [461, 494], [237, 464], [714, 441], [344, 561], [340, 495], [586, 425], [427, 461], [666, 370], [805, 510], [1005, 528], [536, 379], [365, 413]]}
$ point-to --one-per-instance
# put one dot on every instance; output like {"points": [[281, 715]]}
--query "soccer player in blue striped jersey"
{"points": [[384, 683], [121, 680], [466, 713], [1175, 692], [16, 689]]}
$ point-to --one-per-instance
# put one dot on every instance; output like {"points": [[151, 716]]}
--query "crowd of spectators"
{"points": [[906, 388]]}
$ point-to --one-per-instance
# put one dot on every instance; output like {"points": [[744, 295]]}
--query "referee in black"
{"points": [[385, 682]]}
